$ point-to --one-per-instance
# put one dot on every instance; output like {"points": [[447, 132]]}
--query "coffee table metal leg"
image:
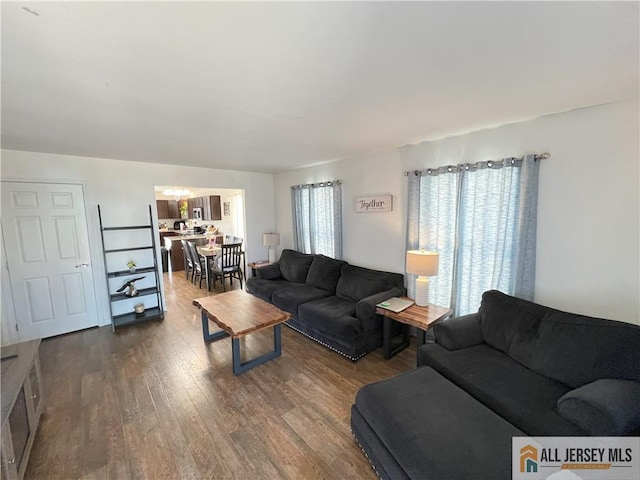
{"points": [[241, 367], [206, 334]]}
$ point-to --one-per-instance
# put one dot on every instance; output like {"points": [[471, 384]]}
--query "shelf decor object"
{"points": [[271, 240], [424, 264], [128, 290]]}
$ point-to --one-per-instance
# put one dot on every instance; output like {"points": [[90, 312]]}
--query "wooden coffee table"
{"points": [[238, 314]]}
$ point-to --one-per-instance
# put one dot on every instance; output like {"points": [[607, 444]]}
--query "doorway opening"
{"points": [[196, 214]]}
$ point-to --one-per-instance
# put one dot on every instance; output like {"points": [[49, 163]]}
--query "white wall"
{"points": [[372, 240], [123, 190], [588, 210]]}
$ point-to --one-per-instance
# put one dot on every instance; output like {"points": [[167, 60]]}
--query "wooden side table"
{"points": [[423, 318], [255, 265]]}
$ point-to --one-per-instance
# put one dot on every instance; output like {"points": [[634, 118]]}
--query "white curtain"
{"points": [[317, 218], [481, 219], [237, 212]]}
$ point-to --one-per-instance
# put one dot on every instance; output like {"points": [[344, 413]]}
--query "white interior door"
{"points": [[47, 248]]}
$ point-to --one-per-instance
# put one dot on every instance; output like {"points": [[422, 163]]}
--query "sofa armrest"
{"points": [[269, 272], [366, 308], [605, 407], [459, 332]]}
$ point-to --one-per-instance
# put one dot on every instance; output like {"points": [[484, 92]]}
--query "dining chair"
{"points": [[198, 263], [240, 240], [188, 263], [227, 264]]}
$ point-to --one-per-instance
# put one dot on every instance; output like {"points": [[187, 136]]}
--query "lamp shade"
{"points": [[270, 239], [422, 262]]}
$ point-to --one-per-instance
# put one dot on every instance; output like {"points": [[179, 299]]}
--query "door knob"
{"points": [[82, 265]]}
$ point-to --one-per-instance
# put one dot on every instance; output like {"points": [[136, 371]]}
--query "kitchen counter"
{"points": [[178, 237], [174, 246]]}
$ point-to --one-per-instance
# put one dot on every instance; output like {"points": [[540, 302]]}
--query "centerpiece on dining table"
{"points": [[211, 233]]}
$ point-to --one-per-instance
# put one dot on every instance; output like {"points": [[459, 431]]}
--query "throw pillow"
{"points": [[294, 266], [324, 273]]}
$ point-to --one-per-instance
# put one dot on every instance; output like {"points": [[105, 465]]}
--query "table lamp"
{"points": [[271, 240], [424, 264]]}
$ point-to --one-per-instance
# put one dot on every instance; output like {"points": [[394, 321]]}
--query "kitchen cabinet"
{"points": [[190, 205], [211, 208], [22, 406], [174, 209], [168, 209], [210, 205], [163, 208], [176, 255]]}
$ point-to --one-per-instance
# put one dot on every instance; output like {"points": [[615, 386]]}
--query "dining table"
{"points": [[209, 252]]}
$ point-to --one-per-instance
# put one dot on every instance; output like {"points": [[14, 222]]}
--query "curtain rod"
{"points": [[538, 156], [316, 185]]}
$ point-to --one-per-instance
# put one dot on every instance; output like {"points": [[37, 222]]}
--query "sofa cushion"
{"points": [[569, 348], [269, 272], [264, 289], [524, 398], [356, 283], [294, 266], [324, 273], [427, 424], [605, 407], [289, 299], [332, 315]]}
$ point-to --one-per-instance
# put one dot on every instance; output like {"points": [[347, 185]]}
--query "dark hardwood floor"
{"points": [[154, 401]]}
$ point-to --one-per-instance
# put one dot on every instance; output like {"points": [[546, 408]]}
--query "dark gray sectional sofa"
{"points": [[515, 368], [330, 301]]}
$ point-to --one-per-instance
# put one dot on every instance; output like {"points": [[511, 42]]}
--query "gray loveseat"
{"points": [[330, 301], [515, 368]]}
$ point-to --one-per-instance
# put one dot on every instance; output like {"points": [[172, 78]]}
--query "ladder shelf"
{"points": [[153, 309]]}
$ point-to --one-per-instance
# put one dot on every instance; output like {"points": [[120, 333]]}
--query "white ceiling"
{"points": [[274, 86]]}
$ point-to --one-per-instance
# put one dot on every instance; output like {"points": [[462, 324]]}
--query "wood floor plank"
{"points": [[155, 401], [149, 448]]}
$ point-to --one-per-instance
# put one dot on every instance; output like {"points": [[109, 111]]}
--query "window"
{"points": [[481, 219], [317, 218], [237, 212]]}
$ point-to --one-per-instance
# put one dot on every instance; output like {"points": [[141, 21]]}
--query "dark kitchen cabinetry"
{"points": [[168, 209], [210, 205], [176, 255], [163, 208], [212, 210], [190, 206], [174, 209]]}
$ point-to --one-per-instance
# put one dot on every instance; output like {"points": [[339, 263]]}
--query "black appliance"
{"points": [[177, 223], [198, 230]]}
